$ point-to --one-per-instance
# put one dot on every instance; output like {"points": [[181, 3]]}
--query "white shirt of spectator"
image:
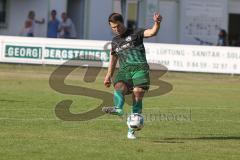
{"points": [[68, 24]]}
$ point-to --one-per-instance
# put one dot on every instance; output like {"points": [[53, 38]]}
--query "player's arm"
{"points": [[40, 22], [111, 69], [154, 30], [112, 64]]}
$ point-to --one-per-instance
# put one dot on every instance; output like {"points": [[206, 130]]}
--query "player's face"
{"points": [[117, 27], [53, 13], [64, 17]]}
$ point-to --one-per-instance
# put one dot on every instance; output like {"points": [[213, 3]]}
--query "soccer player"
{"points": [[133, 74]]}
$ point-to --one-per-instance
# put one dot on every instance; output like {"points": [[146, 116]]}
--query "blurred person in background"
{"points": [[29, 25], [67, 27], [53, 25], [222, 38]]}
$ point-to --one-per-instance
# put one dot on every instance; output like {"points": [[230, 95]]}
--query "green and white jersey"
{"points": [[130, 50]]}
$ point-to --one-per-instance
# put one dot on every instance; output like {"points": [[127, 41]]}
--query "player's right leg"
{"points": [[120, 89], [131, 134], [137, 97], [141, 82]]}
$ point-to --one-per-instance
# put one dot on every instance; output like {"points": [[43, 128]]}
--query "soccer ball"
{"points": [[135, 121]]}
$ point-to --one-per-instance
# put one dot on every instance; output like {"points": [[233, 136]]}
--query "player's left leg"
{"points": [[137, 97]]}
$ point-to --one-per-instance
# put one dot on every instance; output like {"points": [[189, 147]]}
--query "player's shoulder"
{"points": [[139, 30]]}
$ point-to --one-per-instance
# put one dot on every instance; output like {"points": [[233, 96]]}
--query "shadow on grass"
{"points": [[11, 101], [205, 138], [171, 141], [164, 141], [181, 140]]}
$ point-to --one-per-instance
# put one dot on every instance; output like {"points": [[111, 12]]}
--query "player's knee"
{"points": [[120, 86], [138, 90], [138, 93]]}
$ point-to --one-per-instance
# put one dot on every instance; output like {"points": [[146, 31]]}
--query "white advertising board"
{"points": [[187, 58]]}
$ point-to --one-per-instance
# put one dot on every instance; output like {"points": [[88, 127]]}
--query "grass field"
{"points": [[208, 106]]}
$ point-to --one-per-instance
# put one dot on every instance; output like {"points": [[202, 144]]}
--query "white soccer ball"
{"points": [[135, 121]]}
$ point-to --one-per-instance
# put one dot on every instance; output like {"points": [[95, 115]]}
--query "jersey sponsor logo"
{"points": [[123, 47], [128, 39]]}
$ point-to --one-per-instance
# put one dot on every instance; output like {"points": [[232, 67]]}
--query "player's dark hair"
{"points": [[115, 17], [224, 33], [54, 11]]}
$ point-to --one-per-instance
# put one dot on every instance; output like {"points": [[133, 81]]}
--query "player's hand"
{"points": [[107, 81], [157, 17]]}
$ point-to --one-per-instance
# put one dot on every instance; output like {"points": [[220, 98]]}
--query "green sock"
{"points": [[119, 100], [130, 130], [137, 107]]}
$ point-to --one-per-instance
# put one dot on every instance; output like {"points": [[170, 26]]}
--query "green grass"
{"points": [[29, 128]]}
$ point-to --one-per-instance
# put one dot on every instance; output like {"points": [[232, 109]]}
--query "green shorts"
{"points": [[137, 78]]}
